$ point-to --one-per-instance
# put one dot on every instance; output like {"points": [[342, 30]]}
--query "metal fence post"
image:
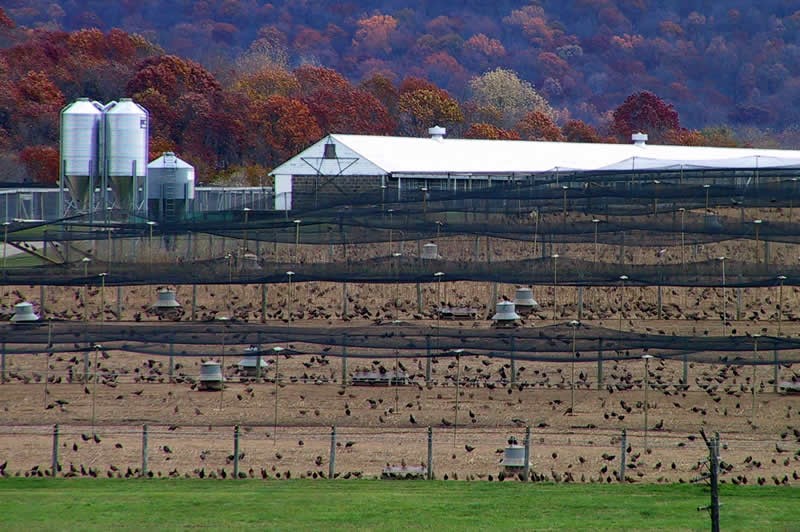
{"points": [[332, 461], [430, 453], [263, 302], [526, 471], [144, 450], [600, 364], [623, 455], [54, 465], [344, 360], [119, 302], [580, 303], [427, 360], [3, 363], [171, 361], [194, 302], [236, 452], [513, 364], [344, 299]]}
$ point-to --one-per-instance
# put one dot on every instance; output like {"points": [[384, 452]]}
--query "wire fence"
{"points": [[259, 451]]}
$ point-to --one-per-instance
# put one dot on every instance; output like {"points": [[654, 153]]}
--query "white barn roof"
{"points": [[377, 155]]}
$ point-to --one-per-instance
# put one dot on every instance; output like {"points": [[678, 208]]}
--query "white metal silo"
{"points": [[126, 133], [80, 155], [170, 187]]}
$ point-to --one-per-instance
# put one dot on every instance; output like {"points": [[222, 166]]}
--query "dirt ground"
{"points": [[190, 432]]}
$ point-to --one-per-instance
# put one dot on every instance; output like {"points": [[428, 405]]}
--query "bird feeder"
{"points": [[524, 302], [166, 300], [250, 363], [505, 315], [514, 457], [430, 251], [211, 378], [23, 313]]}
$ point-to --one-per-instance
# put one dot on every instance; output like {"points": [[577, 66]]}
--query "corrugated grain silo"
{"points": [[126, 137], [170, 187], [80, 151]]}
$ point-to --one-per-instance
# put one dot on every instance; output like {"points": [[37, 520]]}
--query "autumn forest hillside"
{"points": [[236, 86]]}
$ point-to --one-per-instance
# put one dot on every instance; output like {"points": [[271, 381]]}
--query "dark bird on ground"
{"points": [[469, 448]]}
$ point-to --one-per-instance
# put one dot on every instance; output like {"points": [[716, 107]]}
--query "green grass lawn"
{"points": [[83, 504]]}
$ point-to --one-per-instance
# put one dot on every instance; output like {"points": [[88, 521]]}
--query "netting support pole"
{"points": [[119, 302], [171, 362], [427, 360], [236, 452], [477, 247], [42, 299], [144, 450], [430, 453], [513, 364], [623, 454], [580, 303], [263, 302], [738, 303], [344, 361], [526, 471], [685, 377], [332, 460], [3, 363], [54, 463], [493, 302], [600, 365], [766, 252], [488, 249], [419, 297], [775, 370], [86, 367], [344, 299], [660, 303], [194, 302]]}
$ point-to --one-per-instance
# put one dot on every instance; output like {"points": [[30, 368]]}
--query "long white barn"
{"points": [[358, 163]]}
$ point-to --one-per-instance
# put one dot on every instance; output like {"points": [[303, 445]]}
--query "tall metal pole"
{"points": [[595, 222], [724, 298], [555, 286], [757, 224], [646, 386], [683, 238], [622, 279], [297, 240], [781, 278], [574, 324], [753, 384], [246, 212], [458, 381], [5, 242]]}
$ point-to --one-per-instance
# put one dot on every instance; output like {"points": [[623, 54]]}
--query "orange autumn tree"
{"points": [[536, 125], [489, 132]]}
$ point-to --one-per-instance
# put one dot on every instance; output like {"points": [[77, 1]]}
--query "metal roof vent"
{"points": [[505, 314], [330, 151], [23, 313], [211, 376], [639, 139], [430, 252], [514, 457], [523, 300], [437, 132]]}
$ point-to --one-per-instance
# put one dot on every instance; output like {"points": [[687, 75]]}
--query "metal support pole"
{"points": [[194, 302], [263, 302], [344, 299], [144, 450], [119, 302], [42, 301], [430, 453], [526, 471], [715, 483], [580, 303], [513, 364], [344, 361], [54, 463], [427, 360], [332, 460], [623, 455], [600, 365], [685, 376], [775, 370], [86, 367], [659, 298], [3, 363], [171, 361], [738, 303], [236, 452], [419, 297]]}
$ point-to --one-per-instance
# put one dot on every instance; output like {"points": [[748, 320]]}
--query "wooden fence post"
{"points": [[54, 464], [236, 452], [623, 455], [144, 450], [332, 460], [526, 471], [430, 453]]}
